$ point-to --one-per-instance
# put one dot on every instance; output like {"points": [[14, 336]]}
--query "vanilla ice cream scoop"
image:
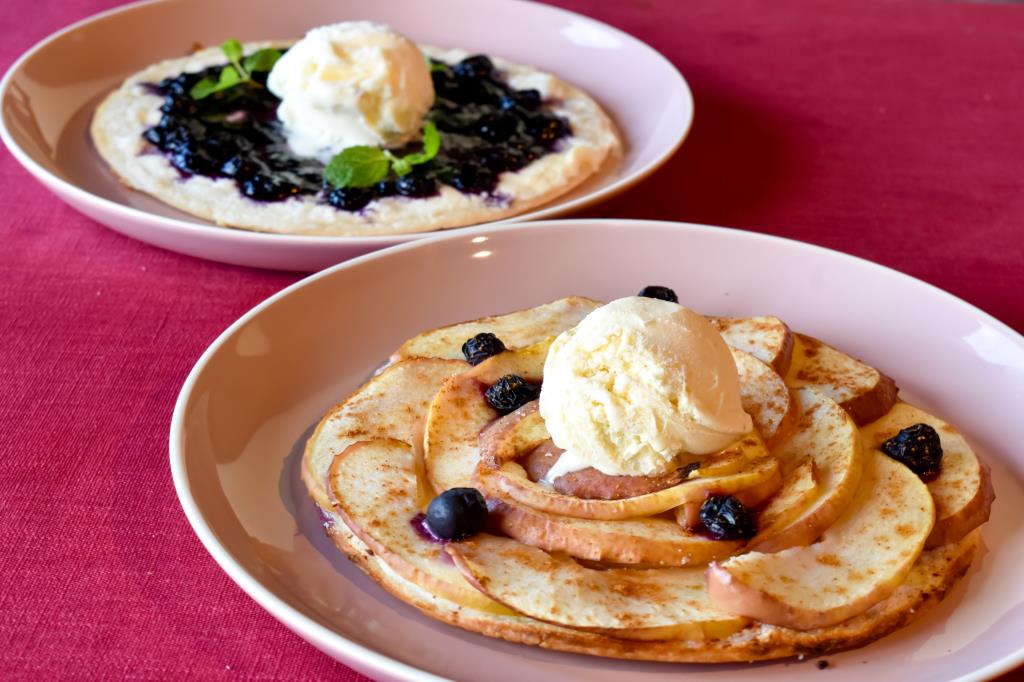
{"points": [[639, 384], [353, 83]]}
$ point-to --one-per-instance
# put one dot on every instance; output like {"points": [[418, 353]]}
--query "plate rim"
{"points": [[364, 655], [201, 230]]}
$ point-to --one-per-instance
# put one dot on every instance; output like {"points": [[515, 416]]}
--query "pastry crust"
{"points": [[122, 117], [933, 575]]}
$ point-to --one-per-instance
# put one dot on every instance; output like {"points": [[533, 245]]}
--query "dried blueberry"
{"points": [[413, 185], [663, 293], [477, 66], [481, 347], [511, 392], [457, 513], [918, 447], [725, 518], [350, 198]]}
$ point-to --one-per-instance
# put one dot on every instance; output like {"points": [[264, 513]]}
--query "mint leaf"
{"points": [[261, 60], [232, 49], [436, 66], [228, 79], [359, 166], [431, 145]]}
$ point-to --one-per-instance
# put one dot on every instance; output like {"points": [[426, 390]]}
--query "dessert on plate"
{"points": [[637, 480], [352, 130]]}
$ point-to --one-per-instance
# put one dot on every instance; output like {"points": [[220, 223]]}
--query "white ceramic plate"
{"points": [[48, 96], [243, 415]]}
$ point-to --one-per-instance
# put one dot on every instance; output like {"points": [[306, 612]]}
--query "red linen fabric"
{"points": [[890, 130]]}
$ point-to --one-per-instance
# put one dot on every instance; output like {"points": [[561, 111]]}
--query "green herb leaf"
{"points": [[436, 66], [232, 49], [359, 166], [228, 79], [261, 60], [431, 145]]}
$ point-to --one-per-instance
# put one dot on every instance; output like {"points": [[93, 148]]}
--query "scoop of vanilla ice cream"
{"points": [[639, 382], [353, 83]]}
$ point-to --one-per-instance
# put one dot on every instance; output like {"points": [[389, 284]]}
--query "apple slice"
{"points": [[512, 436], [656, 604], [826, 433], [511, 481], [799, 490], [766, 338], [859, 561], [390, 405], [459, 413], [650, 541], [374, 486], [963, 489], [764, 396], [863, 391], [516, 330]]}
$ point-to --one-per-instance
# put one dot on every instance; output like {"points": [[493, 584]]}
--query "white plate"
{"points": [[247, 407], [48, 96]]}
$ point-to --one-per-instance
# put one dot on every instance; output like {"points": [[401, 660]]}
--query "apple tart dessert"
{"points": [[639, 481]]}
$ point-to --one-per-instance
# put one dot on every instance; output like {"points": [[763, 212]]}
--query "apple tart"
{"points": [[843, 513]]}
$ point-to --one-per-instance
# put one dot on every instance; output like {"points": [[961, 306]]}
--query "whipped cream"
{"points": [[638, 386], [353, 83]]}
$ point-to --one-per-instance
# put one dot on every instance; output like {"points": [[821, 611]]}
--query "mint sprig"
{"points": [[238, 71], [362, 166]]}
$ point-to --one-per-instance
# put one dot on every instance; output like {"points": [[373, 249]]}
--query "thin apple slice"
{"points": [[799, 490], [863, 391], [655, 604], [650, 541], [764, 396], [373, 486], [767, 338], [459, 413], [510, 437], [963, 489], [516, 330], [826, 433], [859, 561], [511, 481], [390, 405]]}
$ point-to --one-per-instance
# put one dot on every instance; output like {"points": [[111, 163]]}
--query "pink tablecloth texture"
{"points": [[890, 130]]}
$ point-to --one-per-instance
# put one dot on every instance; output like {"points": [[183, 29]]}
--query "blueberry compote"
{"points": [[486, 128]]}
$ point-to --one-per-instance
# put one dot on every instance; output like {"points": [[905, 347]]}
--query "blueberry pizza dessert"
{"points": [[352, 130], [637, 480]]}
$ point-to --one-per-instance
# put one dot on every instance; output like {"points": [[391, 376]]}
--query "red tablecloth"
{"points": [[891, 130]]}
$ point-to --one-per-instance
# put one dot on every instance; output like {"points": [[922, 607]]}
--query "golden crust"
{"points": [[934, 574]]}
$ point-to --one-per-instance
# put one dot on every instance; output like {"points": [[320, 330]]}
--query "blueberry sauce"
{"points": [[487, 128]]}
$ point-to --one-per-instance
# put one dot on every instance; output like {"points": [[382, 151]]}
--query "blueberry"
{"points": [[660, 292], [188, 160], [528, 99], [267, 188], [238, 167], [497, 127], [154, 135], [457, 513], [413, 185], [725, 518], [918, 447], [477, 66], [473, 179], [547, 129], [387, 188], [350, 198], [511, 392], [481, 347]]}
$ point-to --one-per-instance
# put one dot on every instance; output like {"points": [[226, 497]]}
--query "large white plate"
{"points": [[247, 407], [48, 96]]}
